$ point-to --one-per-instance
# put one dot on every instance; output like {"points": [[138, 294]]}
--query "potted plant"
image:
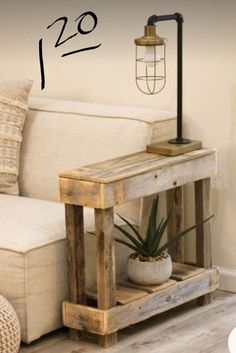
{"points": [[150, 264]]}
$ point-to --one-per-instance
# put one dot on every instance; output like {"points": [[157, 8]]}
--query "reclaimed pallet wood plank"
{"points": [[203, 232], [159, 302], [124, 281], [75, 259], [182, 271], [106, 274], [130, 165], [106, 195], [124, 294], [83, 194], [104, 322]]}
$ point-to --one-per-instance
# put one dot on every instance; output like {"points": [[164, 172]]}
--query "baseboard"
{"points": [[227, 279]]}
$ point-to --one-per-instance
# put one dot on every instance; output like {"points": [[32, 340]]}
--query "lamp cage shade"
{"points": [[150, 68]]}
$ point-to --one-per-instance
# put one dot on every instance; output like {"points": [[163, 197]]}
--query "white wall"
{"points": [[106, 75]]}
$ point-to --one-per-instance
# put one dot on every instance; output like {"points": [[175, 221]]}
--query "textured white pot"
{"points": [[149, 273]]}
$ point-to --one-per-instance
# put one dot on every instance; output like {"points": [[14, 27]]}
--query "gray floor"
{"points": [[187, 329]]}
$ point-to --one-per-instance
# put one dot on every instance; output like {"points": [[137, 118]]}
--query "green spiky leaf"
{"points": [[140, 251], [160, 232], [136, 243], [152, 224], [180, 235], [140, 238]]}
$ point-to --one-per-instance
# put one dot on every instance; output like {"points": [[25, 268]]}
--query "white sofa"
{"points": [[60, 135]]}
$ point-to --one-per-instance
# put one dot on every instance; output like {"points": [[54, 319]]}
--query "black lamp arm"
{"points": [[154, 18], [179, 19]]}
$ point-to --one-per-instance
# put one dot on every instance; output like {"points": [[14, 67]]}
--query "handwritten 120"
{"points": [[61, 41]]}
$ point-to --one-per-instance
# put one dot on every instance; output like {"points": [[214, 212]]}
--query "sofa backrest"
{"points": [[59, 135]]}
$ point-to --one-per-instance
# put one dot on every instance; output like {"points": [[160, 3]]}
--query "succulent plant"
{"points": [[149, 246]]}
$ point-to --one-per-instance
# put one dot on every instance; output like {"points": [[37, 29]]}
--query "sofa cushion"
{"points": [[61, 135], [13, 108], [33, 261]]}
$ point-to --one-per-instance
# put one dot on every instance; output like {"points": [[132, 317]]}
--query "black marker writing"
{"points": [[61, 41], [65, 19], [41, 64]]}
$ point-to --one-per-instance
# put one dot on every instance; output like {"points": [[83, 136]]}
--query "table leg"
{"points": [[75, 259], [106, 280], [174, 199], [203, 232]]}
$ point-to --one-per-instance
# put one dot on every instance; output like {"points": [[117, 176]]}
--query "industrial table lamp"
{"points": [[151, 79]]}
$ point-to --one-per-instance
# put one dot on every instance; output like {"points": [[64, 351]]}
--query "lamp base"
{"points": [[179, 141], [171, 148]]}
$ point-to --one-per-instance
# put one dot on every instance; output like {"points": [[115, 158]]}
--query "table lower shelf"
{"points": [[139, 306]]}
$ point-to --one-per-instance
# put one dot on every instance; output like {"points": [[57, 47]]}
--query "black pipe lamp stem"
{"points": [[153, 80]]}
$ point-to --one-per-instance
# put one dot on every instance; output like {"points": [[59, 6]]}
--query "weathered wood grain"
{"points": [[75, 259], [155, 303], [130, 165], [124, 294], [114, 169], [152, 181], [124, 281], [203, 232], [174, 198], [159, 302], [106, 274], [83, 193], [82, 317], [182, 272]]}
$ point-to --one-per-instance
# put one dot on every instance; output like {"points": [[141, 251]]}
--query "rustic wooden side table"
{"points": [[105, 185]]}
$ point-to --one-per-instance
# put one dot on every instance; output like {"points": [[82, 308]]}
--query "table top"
{"points": [[130, 165]]}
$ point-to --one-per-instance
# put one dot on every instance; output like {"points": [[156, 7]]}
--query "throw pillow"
{"points": [[13, 109]]}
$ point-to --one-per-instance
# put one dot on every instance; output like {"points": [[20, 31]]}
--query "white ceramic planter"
{"points": [[149, 273]]}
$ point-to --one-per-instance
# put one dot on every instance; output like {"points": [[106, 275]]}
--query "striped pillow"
{"points": [[13, 108]]}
